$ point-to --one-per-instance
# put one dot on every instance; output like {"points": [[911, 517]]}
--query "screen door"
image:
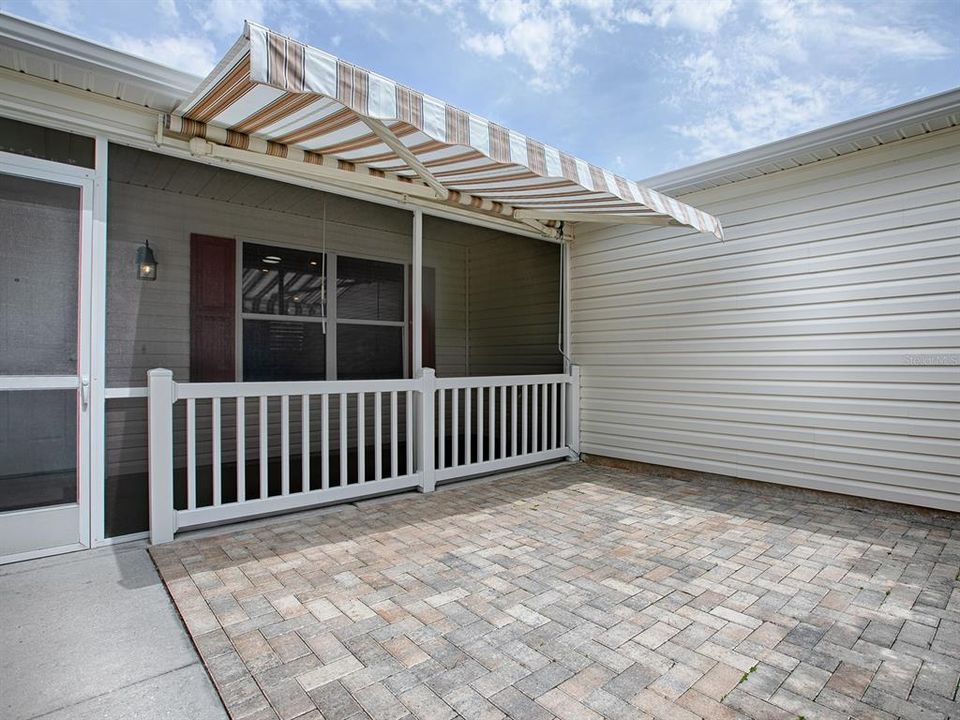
{"points": [[44, 359]]}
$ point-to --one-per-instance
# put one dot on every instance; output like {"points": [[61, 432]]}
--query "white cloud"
{"points": [[791, 66], [356, 4], [192, 54], [905, 43], [168, 8], [489, 44], [225, 17], [56, 12], [540, 36], [701, 16], [543, 37]]}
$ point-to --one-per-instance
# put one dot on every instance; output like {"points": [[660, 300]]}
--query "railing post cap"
{"points": [[428, 372], [159, 372]]}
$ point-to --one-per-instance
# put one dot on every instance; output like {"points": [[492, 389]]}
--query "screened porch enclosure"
{"points": [[260, 282]]}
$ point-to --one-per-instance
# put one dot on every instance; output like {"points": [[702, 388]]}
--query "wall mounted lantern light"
{"points": [[146, 262]]}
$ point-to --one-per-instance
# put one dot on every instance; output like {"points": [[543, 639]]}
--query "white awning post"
{"points": [[426, 435], [426, 419], [160, 400]]}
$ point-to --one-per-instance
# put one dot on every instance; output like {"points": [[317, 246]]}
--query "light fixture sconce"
{"points": [[146, 262]]}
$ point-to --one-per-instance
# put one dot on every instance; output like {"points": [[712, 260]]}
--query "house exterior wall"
{"points": [[148, 323], [514, 306], [816, 347]]}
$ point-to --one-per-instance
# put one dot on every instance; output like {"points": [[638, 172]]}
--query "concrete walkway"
{"points": [[94, 635]]}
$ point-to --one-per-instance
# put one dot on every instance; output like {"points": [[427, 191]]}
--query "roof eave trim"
{"points": [[41, 39]]}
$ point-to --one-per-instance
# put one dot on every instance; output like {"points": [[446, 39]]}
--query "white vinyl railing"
{"points": [[486, 424], [256, 448]]}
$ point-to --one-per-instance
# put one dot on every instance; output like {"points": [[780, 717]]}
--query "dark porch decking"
{"points": [[581, 591]]}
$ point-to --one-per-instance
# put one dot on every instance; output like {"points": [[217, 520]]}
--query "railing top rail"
{"points": [[498, 380], [314, 387]]}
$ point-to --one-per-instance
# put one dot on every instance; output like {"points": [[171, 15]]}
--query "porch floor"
{"points": [[577, 591]]}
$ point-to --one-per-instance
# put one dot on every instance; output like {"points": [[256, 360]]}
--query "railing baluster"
{"points": [[304, 443], [191, 454], [543, 418], [455, 433], [264, 457], [480, 420], [563, 414], [535, 421], [361, 438], [325, 441], [553, 416], [467, 426], [284, 444], [343, 439], [503, 421], [492, 435], [377, 436], [513, 420], [409, 430], [442, 431], [241, 450], [524, 410], [394, 464], [217, 468]]}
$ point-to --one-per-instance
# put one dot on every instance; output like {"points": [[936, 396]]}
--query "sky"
{"points": [[638, 86]]}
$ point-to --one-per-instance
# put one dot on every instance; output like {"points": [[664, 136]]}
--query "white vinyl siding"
{"points": [[818, 346]]}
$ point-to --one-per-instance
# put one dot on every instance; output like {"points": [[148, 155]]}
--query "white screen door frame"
{"points": [[41, 531]]}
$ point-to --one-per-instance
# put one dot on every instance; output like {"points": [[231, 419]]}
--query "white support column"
{"points": [[573, 413], [98, 324], [426, 431], [565, 303], [417, 293], [160, 444]]}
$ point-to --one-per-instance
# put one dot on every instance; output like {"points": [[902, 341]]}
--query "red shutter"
{"points": [[212, 308], [429, 319]]}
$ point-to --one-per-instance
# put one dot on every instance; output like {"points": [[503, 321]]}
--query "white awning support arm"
{"points": [[612, 219], [404, 153]]}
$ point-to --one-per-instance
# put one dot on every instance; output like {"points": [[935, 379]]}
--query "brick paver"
{"points": [[579, 591]]}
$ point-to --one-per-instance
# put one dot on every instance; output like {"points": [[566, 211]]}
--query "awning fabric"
{"points": [[298, 102]]}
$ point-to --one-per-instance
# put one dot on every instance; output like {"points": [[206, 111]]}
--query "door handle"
{"points": [[84, 392]]}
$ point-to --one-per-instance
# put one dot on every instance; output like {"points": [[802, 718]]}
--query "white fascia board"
{"points": [[745, 161], [64, 47]]}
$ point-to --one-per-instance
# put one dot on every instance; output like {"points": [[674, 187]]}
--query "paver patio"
{"points": [[579, 591]]}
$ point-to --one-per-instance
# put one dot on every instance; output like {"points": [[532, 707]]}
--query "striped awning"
{"points": [[276, 96]]}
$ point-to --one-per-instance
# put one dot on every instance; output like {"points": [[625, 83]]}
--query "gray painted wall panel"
{"points": [[148, 322]]}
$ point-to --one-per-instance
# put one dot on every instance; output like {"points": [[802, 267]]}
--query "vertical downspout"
{"points": [[417, 293]]}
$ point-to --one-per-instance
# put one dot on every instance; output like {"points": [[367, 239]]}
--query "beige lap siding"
{"points": [[817, 347]]}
